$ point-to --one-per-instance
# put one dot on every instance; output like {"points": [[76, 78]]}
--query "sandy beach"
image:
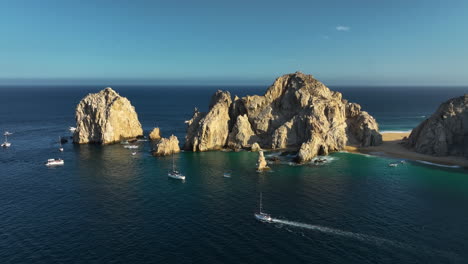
{"points": [[391, 147]]}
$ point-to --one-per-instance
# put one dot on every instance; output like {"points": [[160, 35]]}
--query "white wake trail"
{"points": [[366, 238]]}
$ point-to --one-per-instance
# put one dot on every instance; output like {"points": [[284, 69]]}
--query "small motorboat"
{"points": [[227, 175], [131, 146], [54, 162], [134, 153], [393, 165], [124, 142], [261, 216], [72, 129], [7, 133]]}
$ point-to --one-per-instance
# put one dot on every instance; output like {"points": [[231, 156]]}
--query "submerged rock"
{"points": [[297, 112], [105, 118], [167, 146], [261, 163], [445, 133], [155, 134]]}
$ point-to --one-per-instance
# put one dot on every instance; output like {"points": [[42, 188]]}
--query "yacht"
{"points": [[261, 216], [6, 144], [54, 162], [175, 174]]}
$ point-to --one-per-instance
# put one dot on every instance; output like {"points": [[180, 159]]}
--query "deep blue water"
{"points": [[106, 206]]}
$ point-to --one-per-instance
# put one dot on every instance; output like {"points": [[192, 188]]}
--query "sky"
{"points": [[358, 42]]}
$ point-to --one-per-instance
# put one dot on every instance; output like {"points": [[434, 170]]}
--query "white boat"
{"points": [[124, 142], [261, 216], [134, 153], [227, 175], [6, 144], [7, 133], [393, 165], [130, 146], [54, 162], [60, 144], [175, 174], [72, 129]]}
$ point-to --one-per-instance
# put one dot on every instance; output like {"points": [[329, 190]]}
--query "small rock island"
{"points": [[296, 112], [445, 133], [105, 118]]}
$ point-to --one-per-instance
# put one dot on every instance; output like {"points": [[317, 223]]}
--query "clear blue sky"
{"points": [[406, 42]]}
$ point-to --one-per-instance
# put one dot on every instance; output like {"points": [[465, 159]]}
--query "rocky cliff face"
{"points": [[445, 133], [297, 111], [105, 118], [167, 146]]}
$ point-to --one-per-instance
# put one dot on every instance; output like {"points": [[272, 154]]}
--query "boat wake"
{"points": [[364, 238]]}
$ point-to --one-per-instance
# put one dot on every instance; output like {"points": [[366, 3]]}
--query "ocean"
{"points": [[107, 206]]}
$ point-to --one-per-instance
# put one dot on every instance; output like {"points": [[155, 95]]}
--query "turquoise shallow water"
{"points": [[106, 206]]}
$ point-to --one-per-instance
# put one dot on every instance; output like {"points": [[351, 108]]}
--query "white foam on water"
{"points": [[439, 165], [364, 238]]}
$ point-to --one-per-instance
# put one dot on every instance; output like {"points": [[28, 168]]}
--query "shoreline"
{"points": [[391, 147]]}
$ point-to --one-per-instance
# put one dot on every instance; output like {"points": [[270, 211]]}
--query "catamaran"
{"points": [[175, 174], [261, 216], [6, 144], [60, 144]]}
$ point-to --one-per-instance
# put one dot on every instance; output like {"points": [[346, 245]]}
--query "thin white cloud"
{"points": [[343, 28]]}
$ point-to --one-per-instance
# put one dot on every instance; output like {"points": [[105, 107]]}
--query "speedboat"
{"points": [[131, 146], [227, 175], [134, 153], [54, 162], [393, 165], [261, 216], [72, 129], [7, 133], [60, 144]]}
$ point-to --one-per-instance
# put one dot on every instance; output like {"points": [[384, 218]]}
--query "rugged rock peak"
{"points": [[445, 133], [209, 131], [297, 111], [104, 118], [167, 146], [155, 134], [261, 163]]}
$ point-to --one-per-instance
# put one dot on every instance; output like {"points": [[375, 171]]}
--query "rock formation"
{"points": [[255, 147], [297, 112], [261, 163], [445, 133], [105, 118], [155, 134], [167, 146]]}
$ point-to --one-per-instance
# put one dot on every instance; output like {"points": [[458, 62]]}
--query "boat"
{"points": [[124, 142], [60, 144], [130, 146], [134, 153], [54, 162], [261, 216], [72, 129], [175, 174], [393, 165], [7, 133], [6, 144], [227, 175]]}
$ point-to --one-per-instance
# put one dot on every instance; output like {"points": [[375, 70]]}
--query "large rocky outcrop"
{"points": [[209, 131], [261, 163], [445, 133], [105, 118], [167, 146], [297, 111]]}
